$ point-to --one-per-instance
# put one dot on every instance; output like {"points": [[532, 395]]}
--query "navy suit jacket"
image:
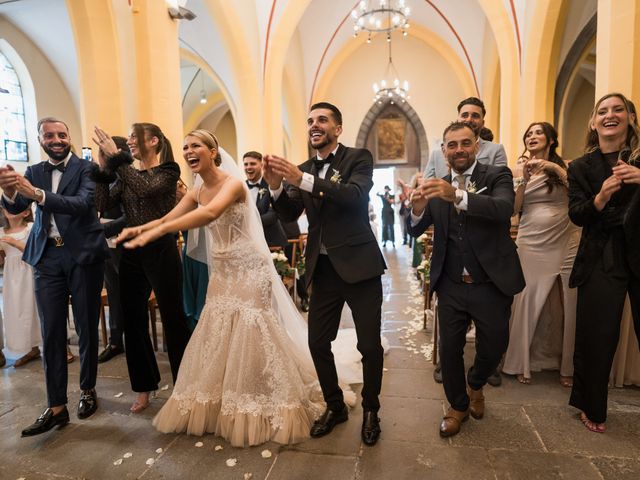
{"points": [[487, 225], [273, 231], [73, 209]]}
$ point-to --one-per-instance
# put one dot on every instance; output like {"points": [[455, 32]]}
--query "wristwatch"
{"points": [[459, 196], [39, 193]]}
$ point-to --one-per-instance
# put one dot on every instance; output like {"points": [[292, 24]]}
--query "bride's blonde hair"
{"points": [[210, 140]]}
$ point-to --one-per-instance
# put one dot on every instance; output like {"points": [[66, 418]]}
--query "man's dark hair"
{"points": [[253, 154], [337, 115], [454, 126], [50, 120], [121, 143], [473, 101], [486, 134]]}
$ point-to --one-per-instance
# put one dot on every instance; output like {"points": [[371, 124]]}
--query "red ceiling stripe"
{"points": [[266, 41], [464, 49]]}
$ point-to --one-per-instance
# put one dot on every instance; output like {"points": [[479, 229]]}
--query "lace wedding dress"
{"points": [[242, 377]]}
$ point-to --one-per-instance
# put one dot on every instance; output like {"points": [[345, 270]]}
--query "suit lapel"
{"points": [[73, 165]]}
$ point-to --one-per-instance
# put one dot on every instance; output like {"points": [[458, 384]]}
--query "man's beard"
{"points": [[57, 156], [320, 145]]}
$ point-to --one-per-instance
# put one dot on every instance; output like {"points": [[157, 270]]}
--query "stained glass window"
{"points": [[13, 131]]}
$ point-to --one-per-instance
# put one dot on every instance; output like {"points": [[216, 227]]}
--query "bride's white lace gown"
{"points": [[239, 377]]}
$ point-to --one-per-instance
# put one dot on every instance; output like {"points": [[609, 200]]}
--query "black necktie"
{"points": [[50, 167], [320, 163], [253, 185]]}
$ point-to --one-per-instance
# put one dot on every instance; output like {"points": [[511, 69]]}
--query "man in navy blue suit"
{"points": [[67, 250]]}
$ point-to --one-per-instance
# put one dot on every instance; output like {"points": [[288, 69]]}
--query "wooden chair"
{"points": [[104, 301]]}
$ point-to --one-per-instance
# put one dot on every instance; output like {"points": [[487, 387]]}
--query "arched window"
{"points": [[13, 131]]}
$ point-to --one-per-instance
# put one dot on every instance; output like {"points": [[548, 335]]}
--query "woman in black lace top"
{"points": [[146, 194]]}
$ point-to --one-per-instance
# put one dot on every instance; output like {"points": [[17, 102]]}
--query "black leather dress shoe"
{"points": [[88, 403], [437, 374], [370, 428], [46, 422], [327, 421], [109, 352], [495, 379], [304, 304]]}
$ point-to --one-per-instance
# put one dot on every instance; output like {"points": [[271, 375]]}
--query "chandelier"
{"points": [[377, 16], [390, 87]]}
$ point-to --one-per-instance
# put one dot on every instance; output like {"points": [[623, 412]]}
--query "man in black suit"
{"points": [[67, 250], [259, 190], [475, 268], [343, 260]]}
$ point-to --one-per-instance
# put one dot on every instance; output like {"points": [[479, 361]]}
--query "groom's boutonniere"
{"points": [[472, 187], [335, 177], [262, 192]]}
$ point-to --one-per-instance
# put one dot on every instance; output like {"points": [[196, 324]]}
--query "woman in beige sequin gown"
{"points": [[246, 374], [547, 244]]}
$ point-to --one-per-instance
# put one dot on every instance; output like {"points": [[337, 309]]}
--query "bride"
{"points": [[246, 374]]}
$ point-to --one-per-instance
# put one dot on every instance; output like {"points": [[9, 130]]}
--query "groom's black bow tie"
{"points": [[253, 185], [50, 167], [320, 163]]}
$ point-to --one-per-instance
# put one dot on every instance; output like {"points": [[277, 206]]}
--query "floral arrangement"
{"points": [[424, 268], [281, 262], [422, 239]]}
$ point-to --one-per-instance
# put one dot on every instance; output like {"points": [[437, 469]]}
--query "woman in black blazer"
{"points": [[603, 189]]}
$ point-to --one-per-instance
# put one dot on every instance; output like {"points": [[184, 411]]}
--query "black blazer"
{"points": [[273, 231], [488, 226], [73, 209], [338, 215], [586, 176]]}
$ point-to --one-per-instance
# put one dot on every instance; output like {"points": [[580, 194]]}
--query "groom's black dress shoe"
{"points": [[46, 422], [109, 352], [370, 428], [88, 403], [327, 421]]}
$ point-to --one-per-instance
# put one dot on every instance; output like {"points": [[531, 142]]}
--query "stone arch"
{"points": [[375, 111]]}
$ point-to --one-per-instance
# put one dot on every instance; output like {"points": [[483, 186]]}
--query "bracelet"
{"points": [[519, 182]]}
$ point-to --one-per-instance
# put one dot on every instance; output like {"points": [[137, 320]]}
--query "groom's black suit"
{"points": [[479, 241], [337, 210]]}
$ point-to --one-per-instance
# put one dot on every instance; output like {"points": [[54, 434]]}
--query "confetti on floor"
{"points": [[231, 462], [166, 387], [128, 455], [150, 461], [218, 447], [159, 450], [199, 444], [266, 453], [118, 395], [118, 462]]}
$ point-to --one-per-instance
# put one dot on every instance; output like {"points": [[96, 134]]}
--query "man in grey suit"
{"points": [[472, 112]]}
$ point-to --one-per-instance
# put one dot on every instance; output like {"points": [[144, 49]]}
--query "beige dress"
{"points": [[547, 244], [239, 378]]}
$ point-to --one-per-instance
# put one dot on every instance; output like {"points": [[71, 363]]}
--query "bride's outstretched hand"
{"points": [[143, 238]]}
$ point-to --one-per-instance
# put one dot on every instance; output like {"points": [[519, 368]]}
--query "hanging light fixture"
{"points": [[390, 87], [203, 93], [375, 16]]}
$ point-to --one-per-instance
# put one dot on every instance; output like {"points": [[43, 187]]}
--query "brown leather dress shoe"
{"points": [[451, 422], [476, 403]]}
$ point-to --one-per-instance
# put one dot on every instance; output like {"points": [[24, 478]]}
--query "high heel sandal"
{"points": [[566, 381], [592, 426], [138, 406], [523, 380]]}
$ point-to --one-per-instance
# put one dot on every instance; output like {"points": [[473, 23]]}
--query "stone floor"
{"points": [[529, 432]]}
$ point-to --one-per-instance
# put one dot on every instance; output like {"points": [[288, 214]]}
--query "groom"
{"points": [[67, 250], [343, 261]]}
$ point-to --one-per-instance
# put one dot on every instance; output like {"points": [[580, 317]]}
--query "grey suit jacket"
{"points": [[489, 154]]}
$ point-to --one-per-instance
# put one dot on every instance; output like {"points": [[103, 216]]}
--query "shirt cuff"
{"points": [[44, 197], [10, 200], [307, 182], [415, 219], [276, 193], [464, 203]]}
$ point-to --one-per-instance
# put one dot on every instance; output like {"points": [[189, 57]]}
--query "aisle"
{"points": [[528, 431]]}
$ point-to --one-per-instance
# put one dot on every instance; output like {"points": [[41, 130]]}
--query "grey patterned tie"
{"points": [[462, 185]]}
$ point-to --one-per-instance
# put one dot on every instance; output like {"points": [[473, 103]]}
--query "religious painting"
{"points": [[390, 140]]}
